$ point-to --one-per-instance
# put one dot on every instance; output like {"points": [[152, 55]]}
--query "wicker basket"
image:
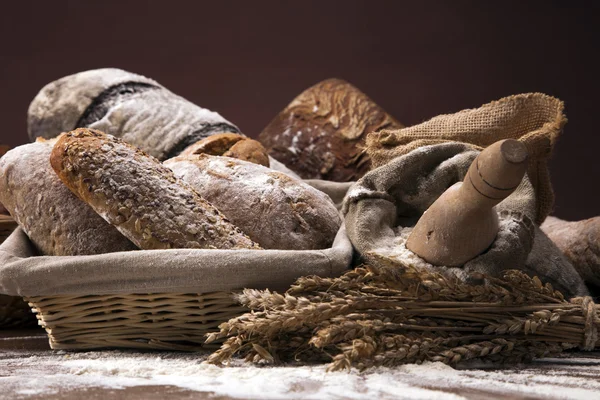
{"points": [[170, 321], [170, 301]]}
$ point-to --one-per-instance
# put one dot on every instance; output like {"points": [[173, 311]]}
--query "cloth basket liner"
{"points": [[24, 273]]}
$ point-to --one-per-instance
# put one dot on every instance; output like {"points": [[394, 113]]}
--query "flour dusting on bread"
{"points": [[275, 210], [140, 196]]}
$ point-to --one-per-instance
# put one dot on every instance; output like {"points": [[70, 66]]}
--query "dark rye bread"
{"points": [[139, 196], [320, 134], [56, 221], [275, 210], [129, 106]]}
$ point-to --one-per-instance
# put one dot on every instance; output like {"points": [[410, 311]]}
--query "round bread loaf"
{"points": [[129, 106], [56, 221], [230, 145], [320, 134], [275, 210], [141, 197]]}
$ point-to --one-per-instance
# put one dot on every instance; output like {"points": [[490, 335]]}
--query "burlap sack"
{"points": [[382, 206], [24, 273], [533, 118]]}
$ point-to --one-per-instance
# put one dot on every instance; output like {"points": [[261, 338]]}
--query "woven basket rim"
{"points": [[163, 271]]}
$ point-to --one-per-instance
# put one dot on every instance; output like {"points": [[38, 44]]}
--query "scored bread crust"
{"points": [[56, 221], [139, 196], [275, 210], [321, 133], [132, 107]]}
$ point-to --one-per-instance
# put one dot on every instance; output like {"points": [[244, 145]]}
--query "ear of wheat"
{"points": [[386, 313]]}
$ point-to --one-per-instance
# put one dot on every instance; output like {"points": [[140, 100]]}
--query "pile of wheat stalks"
{"points": [[386, 313]]}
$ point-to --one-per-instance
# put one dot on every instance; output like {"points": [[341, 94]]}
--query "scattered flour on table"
{"points": [[50, 372]]}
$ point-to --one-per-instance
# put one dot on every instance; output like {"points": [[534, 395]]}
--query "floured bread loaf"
{"points": [[321, 133], [140, 196], [3, 150], [275, 210], [580, 243], [129, 106], [230, 145], [56, 221]]}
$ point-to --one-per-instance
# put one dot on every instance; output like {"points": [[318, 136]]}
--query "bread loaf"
{"points": [[142, 198], [3, 150], [230, 145], [580, 243], [56, 221], [275, 210], [319, 135], [132, 107]]}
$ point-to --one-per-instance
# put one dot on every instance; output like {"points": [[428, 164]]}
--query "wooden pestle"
{"points": [[462, 223]]}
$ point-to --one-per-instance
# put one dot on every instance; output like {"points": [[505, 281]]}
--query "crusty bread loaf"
{"points": [[3, 150], [321, 133], [580, 243], [141, 197], [230, 145], [129, 106], [275, 210], [56, 221]]}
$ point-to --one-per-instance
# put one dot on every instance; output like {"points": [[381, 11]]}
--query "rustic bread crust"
{"points": [[56, 221], [321, 133], [275, 210], [579, 241], [132, 107], [138, 195], [249, 150], [214, 145], [3, 150], [230, 145], [60, 104]]}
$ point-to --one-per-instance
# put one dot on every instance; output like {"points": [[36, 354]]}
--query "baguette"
{"points": [[139, 196], [56, 221]]}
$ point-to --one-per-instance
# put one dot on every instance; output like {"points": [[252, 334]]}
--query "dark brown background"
{"points": [[248, 59]]}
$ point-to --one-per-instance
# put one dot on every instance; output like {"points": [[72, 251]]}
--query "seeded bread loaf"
{"points": [[275, 210], [139, 196], [56, 221], [129, 106]]}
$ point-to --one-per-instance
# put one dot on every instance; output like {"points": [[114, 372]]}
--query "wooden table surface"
{"points": [[29, 369]]}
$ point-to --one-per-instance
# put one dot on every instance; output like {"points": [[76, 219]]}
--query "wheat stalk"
{"points": [[388, 313]]}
